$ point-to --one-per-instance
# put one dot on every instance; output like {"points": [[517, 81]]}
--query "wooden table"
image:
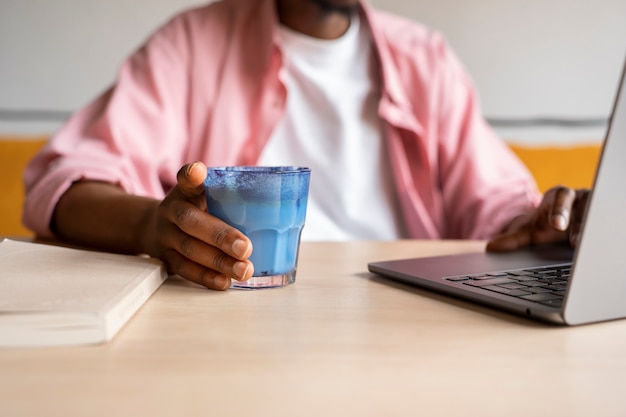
{"points": [[340, 342]]}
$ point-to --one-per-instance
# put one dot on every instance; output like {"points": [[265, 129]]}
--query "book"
{"points": [[55, 296]]}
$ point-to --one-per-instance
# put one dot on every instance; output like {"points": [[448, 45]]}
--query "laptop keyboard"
{"points": [[545, 285]]}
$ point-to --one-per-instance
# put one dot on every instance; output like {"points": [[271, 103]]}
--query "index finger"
{"points": [[559, 214], [210, 230]]}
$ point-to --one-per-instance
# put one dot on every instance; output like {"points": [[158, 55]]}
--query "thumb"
{"points": [[191, 177], [511, 241]]}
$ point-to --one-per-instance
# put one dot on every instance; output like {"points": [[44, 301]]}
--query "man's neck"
{"points": [[315, 18]]}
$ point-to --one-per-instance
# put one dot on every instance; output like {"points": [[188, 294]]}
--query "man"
{"points": [[377, 106]]}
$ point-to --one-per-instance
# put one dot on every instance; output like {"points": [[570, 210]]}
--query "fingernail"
{"points": [[190, 168], [560, 222], [240, 248], [240, 269]]}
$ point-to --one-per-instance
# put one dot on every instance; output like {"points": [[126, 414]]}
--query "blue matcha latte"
{"points": [[268, 204]]}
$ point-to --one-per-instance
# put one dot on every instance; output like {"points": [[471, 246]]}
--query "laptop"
{"points": [[550, 283]]}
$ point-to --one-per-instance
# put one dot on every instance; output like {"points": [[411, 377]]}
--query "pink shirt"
{"points": [[208, 86]]}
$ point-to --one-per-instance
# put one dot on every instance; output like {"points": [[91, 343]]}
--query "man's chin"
{"points": [[345, 7]]}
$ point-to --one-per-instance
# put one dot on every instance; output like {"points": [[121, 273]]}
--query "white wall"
{"points": [[58, 54], [531, 58], [534, 58]]}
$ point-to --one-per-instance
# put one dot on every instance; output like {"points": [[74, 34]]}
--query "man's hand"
{"points": [[557, 219], [178, 229], [192, 243]]}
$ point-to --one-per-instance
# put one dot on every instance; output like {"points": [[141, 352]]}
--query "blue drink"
{"points": [[268, 204]]}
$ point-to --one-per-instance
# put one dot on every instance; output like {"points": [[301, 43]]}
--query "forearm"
{"points": [[103, 216]]}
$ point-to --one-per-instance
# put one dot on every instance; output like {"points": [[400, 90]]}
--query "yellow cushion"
{"points": [[15, 153], [573, 166]]}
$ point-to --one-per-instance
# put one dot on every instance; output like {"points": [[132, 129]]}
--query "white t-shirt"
{"points": [[332, 126]]}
